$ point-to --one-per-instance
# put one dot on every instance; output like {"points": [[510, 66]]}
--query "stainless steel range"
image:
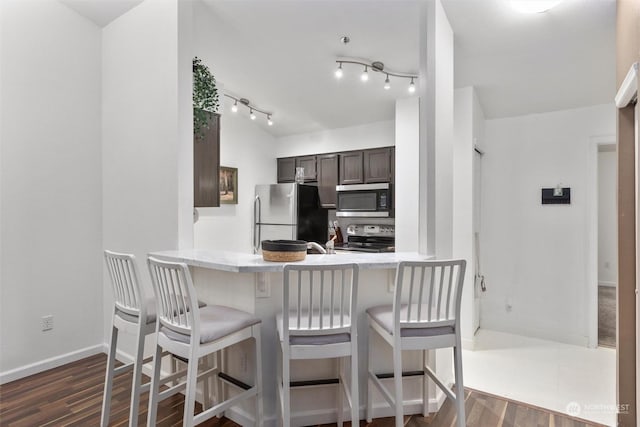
{"points": [[370, 238]]}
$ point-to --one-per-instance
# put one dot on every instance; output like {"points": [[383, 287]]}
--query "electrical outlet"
{"points": [[47, 323], [263, 287], [509, 304]]}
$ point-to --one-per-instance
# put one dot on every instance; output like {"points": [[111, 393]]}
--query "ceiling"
{"points": [[101, 12], [281, 55]]}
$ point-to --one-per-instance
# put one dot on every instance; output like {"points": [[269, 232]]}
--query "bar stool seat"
{"points": [[216, 321]]}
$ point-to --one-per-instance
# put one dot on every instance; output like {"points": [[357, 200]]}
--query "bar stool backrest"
{"points": [[320, 300], [175, 295], [428, 293], [125, 284]]}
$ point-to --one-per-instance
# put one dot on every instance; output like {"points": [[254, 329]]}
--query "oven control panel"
{"points": [[371, 230]]}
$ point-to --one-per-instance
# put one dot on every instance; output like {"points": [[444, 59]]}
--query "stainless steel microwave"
{"points": [[364, 200]]}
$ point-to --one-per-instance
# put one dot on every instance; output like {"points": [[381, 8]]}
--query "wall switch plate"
{"points": [[263, 287], [47, 323]]}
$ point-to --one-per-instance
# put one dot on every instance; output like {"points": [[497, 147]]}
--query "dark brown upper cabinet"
{"points": [[328, 167], [377, 165], [309, 165], [206, 164], [351, 168], [287, 169]]}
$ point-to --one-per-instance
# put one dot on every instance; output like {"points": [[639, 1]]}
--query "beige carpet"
{"points": [[607, 316]]}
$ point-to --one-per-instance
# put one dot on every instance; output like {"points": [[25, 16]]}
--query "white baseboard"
{"points": [[608, 284], [46, 364]]}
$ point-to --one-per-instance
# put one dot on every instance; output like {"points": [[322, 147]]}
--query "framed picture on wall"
{"points": [[228, 185]]}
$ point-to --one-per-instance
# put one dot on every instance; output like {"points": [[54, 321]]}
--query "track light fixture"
{"points": [[252, 108], [376, 66]]}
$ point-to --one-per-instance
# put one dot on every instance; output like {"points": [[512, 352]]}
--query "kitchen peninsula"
{"points": [[247, 282]]}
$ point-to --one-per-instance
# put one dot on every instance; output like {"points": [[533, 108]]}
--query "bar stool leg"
{"points": [[339, 394], [369, 409], [137, 378], [425, 384], [190, 392], [258, 381], [286, 399], [108, 382], [355, 395], [457, 357], [155, 387], [397, 382]]}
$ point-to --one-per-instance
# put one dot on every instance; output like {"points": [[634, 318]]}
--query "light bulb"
{"points": [[234, 107], [412, 87], [387, 83], [269, 121], [365, 75], [252, 115], [339, 71]]}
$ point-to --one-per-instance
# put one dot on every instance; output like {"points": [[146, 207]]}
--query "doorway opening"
{"points": [[607, 245]]}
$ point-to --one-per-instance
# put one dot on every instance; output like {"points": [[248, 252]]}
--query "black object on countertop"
{"points": [[284, 245]]}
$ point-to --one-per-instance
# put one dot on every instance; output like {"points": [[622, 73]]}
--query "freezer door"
{"points": [[277, 204], [274, 232]]}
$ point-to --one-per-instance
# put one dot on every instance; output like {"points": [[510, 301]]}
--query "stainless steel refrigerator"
{"points": [[289, 212]]}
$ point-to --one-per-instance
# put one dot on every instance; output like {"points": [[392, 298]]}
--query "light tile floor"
{"points": [[547, 374]]}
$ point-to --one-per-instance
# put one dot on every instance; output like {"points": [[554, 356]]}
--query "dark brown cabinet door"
{"points": [[287, 169], [206, 165], [309, 165], [377, 165], [327, 179], [351, 168]]}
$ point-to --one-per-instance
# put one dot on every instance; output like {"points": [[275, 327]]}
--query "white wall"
{"points": [[51, 193], [535, 255], [407, 174], [607, 218], [370, 135], [245, 146], [468, 132], [143, 148]]}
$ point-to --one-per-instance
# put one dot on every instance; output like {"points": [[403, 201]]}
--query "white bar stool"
{"points": [[429, 318], [320, 302], [192, 334], [134, 312]]}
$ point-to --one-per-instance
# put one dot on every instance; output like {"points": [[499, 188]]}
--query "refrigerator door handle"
{"points": [[257, 207]]}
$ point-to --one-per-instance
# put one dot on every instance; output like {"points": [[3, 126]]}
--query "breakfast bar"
{"points": [[247, 282]]}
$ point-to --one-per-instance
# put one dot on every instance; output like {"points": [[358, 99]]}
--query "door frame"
{"points": [[592, 234]]}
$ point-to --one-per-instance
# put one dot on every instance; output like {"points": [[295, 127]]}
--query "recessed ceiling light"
{"points": [[533, 6]]}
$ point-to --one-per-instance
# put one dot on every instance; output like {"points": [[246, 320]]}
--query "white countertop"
{"points": [[240, 262]]}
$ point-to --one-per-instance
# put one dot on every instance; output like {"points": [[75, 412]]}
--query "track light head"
{"points": [[339, 71], [387, 83], [365, 75], [234, 107], [412, 86], [252, 114], [269, 121]]}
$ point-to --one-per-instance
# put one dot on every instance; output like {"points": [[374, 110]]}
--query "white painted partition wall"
{"points": [[146, 151], [469, 133]]}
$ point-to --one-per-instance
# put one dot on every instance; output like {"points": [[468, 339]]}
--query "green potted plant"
{"points": [[205, 96]]}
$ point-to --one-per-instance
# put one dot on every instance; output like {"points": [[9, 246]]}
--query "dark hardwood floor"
{"points": [[71, 395]]}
